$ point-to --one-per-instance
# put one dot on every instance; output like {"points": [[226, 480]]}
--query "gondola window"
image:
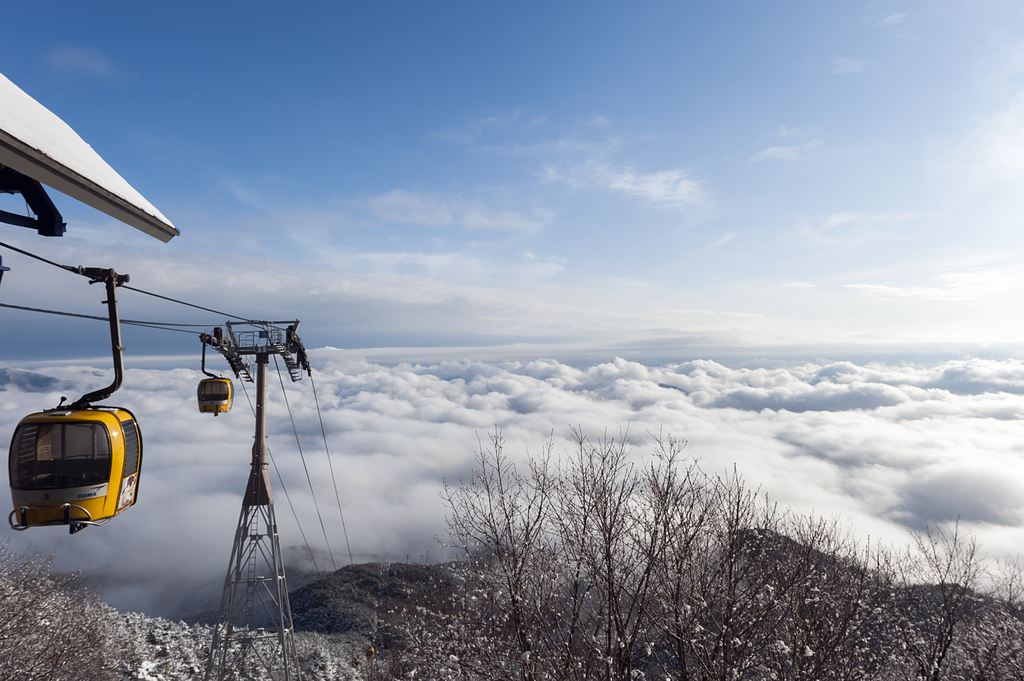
{"points": [[59, 455]]}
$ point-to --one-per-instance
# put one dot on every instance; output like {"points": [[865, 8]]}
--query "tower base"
{"points": [[254, 637]]}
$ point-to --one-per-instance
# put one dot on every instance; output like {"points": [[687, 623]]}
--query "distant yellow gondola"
{"points": [[74, 467], [214, 395]]}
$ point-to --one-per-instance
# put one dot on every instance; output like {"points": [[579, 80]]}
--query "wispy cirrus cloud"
{"points": [[779, 153], [515, 134], [879, 225], [963, 285], [785, 152], [981, 173], [828, 223], [841, 65], [994, 149], [86, 61], [436, 210], [579, 160], [673, 188], [499, 124], [892, 19]]}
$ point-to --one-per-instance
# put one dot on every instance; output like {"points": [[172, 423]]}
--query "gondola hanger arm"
{"points": [[112, 280]]}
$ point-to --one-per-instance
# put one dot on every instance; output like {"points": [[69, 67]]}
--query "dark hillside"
{"points": [[435, 619]]}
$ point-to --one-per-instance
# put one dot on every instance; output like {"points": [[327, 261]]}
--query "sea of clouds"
{"points": [[888, 448]]}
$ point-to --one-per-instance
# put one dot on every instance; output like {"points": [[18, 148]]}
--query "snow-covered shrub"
{"points": [[51, 626], [593, 565]]}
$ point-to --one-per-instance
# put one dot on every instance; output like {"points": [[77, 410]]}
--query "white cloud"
{"points": [[666, 187], [671, 187], [483, 295], [837, 220], [566, 146], [993, 151], [964, 285], [245, 194], [785, 152], [82, 60], [880, 228], [434, 210], [892, 19], [842, 65], [830, 223], [887, 447], [777, 153], [479, 128], [978, 176], [722, 240]]}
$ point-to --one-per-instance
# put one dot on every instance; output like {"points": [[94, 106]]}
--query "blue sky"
{"points": [[830, 177]]}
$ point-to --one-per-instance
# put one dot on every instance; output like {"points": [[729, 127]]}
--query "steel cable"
{"points": [[284, 489], [131, 322], [302, 456], [75, 270], [182, 302], [334, 479]]}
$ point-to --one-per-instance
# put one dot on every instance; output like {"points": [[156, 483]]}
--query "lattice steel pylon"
{"points": [[254, 636]]}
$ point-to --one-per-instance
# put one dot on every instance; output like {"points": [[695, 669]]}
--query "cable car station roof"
{"points": [[37, 143]]}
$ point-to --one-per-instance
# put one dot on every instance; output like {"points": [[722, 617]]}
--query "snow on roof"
{"points": [[36, 142]]}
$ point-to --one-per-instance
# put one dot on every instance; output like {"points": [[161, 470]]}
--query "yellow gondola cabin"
{"points": [[74, 467], [214, 395]]}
